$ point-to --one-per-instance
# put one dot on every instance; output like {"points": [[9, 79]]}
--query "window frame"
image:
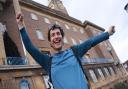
{"points": [[46, 20], [34, 16], [67, 27], [40, 34], [82, 31], [24, 83]]}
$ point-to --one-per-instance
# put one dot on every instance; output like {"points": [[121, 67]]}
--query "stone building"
{"points": [[18, 70], [126, 65]]}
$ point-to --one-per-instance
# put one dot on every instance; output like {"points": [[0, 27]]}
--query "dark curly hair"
{"points": [[52, 27]]}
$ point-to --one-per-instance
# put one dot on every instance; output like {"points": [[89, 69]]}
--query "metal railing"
{"points": [[16, 61], [97, 60]]}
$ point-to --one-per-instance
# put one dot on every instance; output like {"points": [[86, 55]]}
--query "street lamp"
{"points": [[126, 7]]}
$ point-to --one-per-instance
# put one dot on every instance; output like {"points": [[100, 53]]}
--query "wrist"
{"points": [[20, 26]]}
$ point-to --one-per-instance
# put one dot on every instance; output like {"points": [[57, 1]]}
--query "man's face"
{"points": [[56, 39]]}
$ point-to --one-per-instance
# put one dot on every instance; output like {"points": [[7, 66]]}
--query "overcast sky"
{"points": [[103, 13]]}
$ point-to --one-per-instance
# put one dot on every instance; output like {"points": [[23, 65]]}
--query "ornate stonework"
{"points": [[57, 5]]}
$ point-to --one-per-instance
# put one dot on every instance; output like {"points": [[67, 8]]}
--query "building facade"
{"points": [[18, 70], [126, 65]]}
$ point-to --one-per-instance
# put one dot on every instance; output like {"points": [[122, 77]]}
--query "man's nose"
{"points": [[56, 36]]}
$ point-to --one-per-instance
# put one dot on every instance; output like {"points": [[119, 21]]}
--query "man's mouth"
{"points": [[57, 41]]}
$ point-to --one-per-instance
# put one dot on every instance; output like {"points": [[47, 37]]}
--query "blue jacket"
{"points": [[66, 72]]}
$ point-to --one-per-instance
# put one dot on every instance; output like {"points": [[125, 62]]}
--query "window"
{"points": [[74, 29], [57, 23], [100, 73], [16, 61], [46, 20], [47, 83], [39, 34], [93, 76], [52, 6], [106, 71], [73, 41], [34, 16], [125, 65], [67, 27], [81, 31], [111, 70], [24, 84], [2, 27], [65, 40]]}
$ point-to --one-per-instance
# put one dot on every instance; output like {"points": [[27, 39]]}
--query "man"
{"points": [[64, 70]]}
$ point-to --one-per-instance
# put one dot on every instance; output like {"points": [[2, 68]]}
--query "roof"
{"points": [[59, 14], [50, 11], [92, 24]]}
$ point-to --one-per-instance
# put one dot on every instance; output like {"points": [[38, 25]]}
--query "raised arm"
{"points": [[82, 48], [41, 58]]}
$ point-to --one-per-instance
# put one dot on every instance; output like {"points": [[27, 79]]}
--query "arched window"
{"points": [[24, 84]]}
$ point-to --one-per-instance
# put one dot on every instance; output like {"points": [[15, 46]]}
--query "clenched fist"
{"points": [[20, 20], [111, 30]]}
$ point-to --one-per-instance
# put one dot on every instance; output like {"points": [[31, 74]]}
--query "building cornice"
{"points": [[18, 67], [58, 14], [50, 11], [86, 23]]}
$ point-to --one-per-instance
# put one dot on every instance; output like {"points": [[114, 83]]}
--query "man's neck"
{"points": [[53, 51]]}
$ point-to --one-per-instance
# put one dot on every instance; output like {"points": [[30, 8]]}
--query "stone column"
{"points": [[17, 9], [16, 6], [2, 48]]}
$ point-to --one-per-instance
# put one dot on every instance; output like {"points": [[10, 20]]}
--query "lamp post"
{"points": [[126, 7]]}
